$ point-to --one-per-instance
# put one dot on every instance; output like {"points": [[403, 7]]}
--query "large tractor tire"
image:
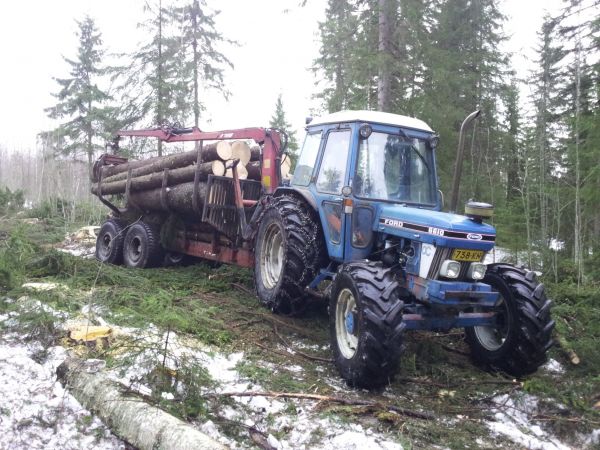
{"points": [[518, 345], [289, 250], [365, 324], [142, 248], [109, 243]]}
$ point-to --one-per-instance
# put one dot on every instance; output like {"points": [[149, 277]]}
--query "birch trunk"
{"points": [[143, 426]]}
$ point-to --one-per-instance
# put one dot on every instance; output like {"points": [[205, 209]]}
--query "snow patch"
{"points": [[593, 438], [511, 416], [36, 410], [553, 366]]}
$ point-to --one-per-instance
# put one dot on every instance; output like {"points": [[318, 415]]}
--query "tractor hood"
{"points": [[435, 227]]}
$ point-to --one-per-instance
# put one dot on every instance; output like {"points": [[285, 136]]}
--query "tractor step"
{"points": [[463, 319]]}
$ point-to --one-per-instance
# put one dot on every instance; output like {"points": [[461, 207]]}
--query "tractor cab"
{"points": [[354, 165]]}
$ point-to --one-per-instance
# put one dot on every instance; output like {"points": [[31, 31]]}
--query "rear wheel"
{"points": [[142, 248], [522, 337], [365, 324], [175, 259], [109, 243], [289, 251]]}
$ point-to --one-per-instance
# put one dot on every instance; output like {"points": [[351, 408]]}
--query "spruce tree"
{"points": [[203, 63], [279, 121], [149, 83], [167, 74], [81, 103], [337, 54]]}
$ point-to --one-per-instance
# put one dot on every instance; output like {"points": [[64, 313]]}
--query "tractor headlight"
{"points": [[450, 269], [477, 271]]}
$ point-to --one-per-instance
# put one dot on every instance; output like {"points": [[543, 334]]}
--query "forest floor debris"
{"points": [[181, 336]]}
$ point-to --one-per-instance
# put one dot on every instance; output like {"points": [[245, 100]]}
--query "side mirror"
{"points": [[440, 198], [434, 141]]}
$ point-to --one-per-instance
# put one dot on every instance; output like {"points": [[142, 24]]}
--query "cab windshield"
{"points": [[395, 168]]}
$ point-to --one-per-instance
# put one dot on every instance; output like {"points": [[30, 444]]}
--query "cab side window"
{"points": [[332, 173], [308, 158]]}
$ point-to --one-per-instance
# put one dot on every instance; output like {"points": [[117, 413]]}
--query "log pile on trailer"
{"points": [[198, 202]]}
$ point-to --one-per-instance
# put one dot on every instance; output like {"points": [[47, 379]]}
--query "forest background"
{"points": [[534, 153]]}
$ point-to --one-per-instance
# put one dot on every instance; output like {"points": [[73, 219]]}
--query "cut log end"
{"points": [[224, 150], [218, 168], [242, 172], [286, 167], [241, 150]]}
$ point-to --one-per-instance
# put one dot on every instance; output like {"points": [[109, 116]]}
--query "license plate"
{"points": [[467, 255]]}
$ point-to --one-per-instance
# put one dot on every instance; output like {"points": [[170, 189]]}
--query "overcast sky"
{"points": [[278, 42]]}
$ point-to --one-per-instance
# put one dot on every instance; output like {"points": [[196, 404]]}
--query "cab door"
{"points": [[331, 177]]}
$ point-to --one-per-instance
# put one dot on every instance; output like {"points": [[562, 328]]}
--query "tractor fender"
{"points": [[304, 194]]}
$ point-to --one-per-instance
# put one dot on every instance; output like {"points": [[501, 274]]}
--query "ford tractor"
{"points": [[359, 225]]}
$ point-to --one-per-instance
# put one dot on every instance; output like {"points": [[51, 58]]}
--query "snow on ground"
{"points": [[300, 429], [553, 366], [512, 419], [35, 411]]}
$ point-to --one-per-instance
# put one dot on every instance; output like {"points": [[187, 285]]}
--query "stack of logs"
{"points": [[148, 176]]}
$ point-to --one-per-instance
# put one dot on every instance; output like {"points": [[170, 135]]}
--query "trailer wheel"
{"points": [[518, 345], [142, 248], [172, 258], [289, 251], [365, 324], [109, 243]]}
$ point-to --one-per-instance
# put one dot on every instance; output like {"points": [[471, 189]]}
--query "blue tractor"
{"points": [[361, 224]]}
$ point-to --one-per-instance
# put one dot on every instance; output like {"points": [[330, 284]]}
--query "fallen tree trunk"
{"points": [[140, 424], [217, 151], [154, 180], [328, 398], [179, 198]]}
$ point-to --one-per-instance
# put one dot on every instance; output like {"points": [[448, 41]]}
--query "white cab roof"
{"points": [[372, 117]]}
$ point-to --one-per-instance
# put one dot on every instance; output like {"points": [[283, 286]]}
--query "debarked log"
{"points": [[178, 198], [140, 424], [155, 180]]}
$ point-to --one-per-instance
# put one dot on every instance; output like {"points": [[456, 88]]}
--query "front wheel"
{"points": [[522, 337], [365, 324]]}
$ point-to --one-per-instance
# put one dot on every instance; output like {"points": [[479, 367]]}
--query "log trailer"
{"points": [[359, 225]]}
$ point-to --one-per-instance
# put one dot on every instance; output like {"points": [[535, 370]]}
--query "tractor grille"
{"points": [[219, 207], [441, 254]]}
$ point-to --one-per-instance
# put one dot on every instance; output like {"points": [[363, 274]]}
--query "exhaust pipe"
{"points": [[459, 159]]}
